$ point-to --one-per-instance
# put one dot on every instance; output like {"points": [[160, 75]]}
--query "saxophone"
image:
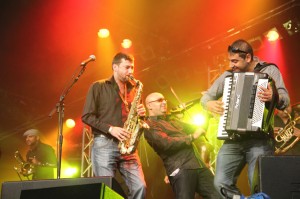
{"points": [[25, 168], [133, 124]]}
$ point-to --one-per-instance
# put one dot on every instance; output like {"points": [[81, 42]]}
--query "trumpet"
{"points": [[286, 137]]}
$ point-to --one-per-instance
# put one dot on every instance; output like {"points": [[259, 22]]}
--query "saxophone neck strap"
{"points": [[124, 97]]}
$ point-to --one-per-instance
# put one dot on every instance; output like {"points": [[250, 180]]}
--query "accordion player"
{"points": [[244, 113]]}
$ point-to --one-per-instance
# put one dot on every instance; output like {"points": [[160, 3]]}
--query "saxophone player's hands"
{"points": [[119, 133], [35, 161], [141, 110], [215, 106]]}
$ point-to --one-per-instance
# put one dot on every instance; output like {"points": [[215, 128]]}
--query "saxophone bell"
{"points": [[25, 168]]}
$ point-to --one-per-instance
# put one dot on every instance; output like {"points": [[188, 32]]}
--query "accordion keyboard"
{"points": [[222, 134]]}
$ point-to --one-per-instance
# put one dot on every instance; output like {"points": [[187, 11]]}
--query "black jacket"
{"points": [[172, 142]]}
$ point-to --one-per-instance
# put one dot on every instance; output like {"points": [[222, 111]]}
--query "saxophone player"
{"points": [[40, 155], [106, 109]]}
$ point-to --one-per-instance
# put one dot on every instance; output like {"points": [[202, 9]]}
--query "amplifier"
{"points": [[75, 188], [278, 177]]}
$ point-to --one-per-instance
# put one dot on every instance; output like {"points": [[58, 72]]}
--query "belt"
{"points": [[100, 135], [108, 136]]}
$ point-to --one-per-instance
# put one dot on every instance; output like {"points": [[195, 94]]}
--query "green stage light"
{"points": [[70, 172], [198, 119]]}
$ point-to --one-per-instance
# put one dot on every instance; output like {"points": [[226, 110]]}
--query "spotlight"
{"points": [[272, 35], [70, 123], [70, 172], [103, 33], [199, 119], [126, 43], [292, 26]]}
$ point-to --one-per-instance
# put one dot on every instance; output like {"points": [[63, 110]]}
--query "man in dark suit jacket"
{"points": [[173, 140]]}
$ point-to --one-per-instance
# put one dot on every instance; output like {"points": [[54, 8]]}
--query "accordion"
{"points": [[244, 113]]}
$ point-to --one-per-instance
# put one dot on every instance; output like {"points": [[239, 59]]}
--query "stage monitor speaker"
{"points": [[278, 177], [75, 188]]}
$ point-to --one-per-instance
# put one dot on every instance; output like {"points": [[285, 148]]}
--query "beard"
{"points": [[123, 79], [126, 78]]}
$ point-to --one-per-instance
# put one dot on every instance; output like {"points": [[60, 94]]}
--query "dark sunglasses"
{"points": [[158, 100], [236, 50]]}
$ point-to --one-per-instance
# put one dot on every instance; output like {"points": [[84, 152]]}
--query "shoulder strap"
{"points": [[260, 66]]}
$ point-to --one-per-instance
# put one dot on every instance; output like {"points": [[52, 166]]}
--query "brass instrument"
{"points": [[133, 124], [25, 168], [286, 138]]}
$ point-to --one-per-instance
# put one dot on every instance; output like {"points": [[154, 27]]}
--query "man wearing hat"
{"points": [[40, 155]]}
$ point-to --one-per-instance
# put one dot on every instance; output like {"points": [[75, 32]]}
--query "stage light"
{"points": [[199, 119], [292, 26], [70, 123], [272, 34], [256, 43], [70, 172], [127, 43], [103, 33]]}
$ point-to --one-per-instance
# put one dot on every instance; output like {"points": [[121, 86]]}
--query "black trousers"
{"points": [[187, 182]]}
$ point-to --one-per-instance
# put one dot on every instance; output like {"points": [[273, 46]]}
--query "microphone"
{"points": [[91, 58]]}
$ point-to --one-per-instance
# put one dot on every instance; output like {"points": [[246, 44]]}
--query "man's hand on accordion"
{"points": [[215, 106], [265, 94]]}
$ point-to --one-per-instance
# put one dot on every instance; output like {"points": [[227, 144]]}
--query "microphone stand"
{"points": [[60, 110]]}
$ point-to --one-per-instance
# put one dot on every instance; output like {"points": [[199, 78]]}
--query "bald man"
{"points": [[173, 140]]}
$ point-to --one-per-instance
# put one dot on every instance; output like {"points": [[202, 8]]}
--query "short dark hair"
{"points": [[241, 47], [117, 58]]}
